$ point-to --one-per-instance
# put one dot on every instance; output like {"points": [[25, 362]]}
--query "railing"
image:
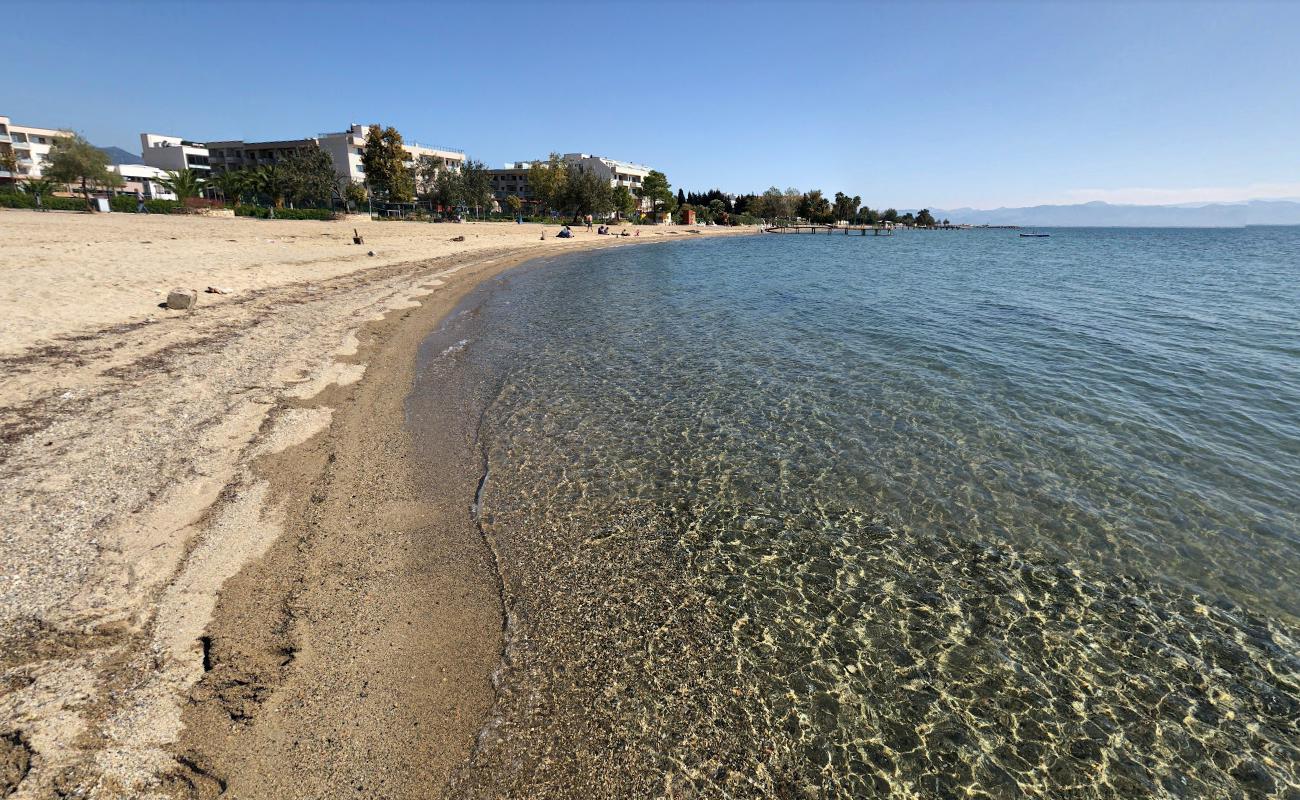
{"points": [[4, 137]]}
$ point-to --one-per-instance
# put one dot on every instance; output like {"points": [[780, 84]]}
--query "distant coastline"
{"points": [[1105, 215]]}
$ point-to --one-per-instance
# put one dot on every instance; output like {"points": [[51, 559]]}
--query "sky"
{"points": [[920, 104]]}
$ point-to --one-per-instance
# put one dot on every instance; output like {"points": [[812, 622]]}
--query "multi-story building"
{"points": [[513, 178], [172, 153], [238, 154], [143, 179], [30, 144], [619, 173], [346, 148]]}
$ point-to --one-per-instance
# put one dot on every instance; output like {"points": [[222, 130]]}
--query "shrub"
{"points": [[64, 203], [323, 214], [126, 204], [16, 200]]}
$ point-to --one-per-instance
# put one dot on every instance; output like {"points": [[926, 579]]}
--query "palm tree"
{"points": [[40, 187], [185, 183], [273, 182], [231, 184]]}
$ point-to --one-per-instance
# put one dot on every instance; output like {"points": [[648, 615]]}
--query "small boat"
{"points": [[1035, 235]]}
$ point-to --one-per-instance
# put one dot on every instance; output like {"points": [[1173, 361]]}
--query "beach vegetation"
{"points": [[586, 193], [515, 205], [624, 202], [384, 162], [73, 160], [40, 187], [351, 193], [184, 183], [262, 212], [656, 188], [476, 185], [845, 208], [230, 185], [309, 177], [271, 182], [548, 180]]}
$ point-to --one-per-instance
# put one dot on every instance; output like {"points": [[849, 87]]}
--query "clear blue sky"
{"points": [[910, 104]]}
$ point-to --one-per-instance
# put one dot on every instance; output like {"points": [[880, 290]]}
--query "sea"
{"points": [[943, 514]]}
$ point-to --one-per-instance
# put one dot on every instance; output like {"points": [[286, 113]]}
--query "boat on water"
{"points": [[1035, 235]]}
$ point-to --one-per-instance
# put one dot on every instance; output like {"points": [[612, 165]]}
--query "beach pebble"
{"points": [[216, 290], [181, 299], [370, 253]]}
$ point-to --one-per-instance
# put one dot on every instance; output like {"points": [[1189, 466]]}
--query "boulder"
{"points": [[182, 299]]}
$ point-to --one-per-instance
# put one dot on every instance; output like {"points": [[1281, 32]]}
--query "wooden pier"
{"points": [[830, 230]]}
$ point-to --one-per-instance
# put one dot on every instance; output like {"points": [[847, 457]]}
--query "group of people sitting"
{"points": [[603, 230]]}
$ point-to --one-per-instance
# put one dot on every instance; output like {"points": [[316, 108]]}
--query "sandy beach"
{"points": [[218, 572]]}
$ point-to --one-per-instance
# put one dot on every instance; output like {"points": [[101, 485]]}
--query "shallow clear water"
{"points": [[933, 515]]}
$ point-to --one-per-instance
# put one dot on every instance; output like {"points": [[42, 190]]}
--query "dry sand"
{"points": [[217, 571]]}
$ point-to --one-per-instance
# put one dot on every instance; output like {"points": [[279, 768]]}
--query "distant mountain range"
{"points": [[119, 156], [1099, 214]]}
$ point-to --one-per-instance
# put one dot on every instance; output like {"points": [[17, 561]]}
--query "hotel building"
{"points": [[172, 153], [30, 144], [513, 178], [345, 149]]}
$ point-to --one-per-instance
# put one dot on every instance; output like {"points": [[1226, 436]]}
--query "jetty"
{"points": [[845, 230]]}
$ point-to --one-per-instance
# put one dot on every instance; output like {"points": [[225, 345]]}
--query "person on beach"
{"points": [[140, 207], [588, 223]]}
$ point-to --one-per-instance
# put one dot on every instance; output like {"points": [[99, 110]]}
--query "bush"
{"points": [[64, 203], [126, 204], [323, 214], [16, 200]]}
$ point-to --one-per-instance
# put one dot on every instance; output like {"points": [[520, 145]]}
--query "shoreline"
{"points": [[233, 610]]}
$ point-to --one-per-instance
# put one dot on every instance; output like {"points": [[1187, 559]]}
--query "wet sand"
{"points": [[218, 570]]}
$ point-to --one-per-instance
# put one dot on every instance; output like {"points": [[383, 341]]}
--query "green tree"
{"points": [[272, 182], [587, 193], [384, 162], [309, 177], [658, 191], [624, 202], [924, 219], [515, 205], [9, 161], [352, 193], [476, 184], [548, 181], [448, 190], [889, 215], [74, 160], [845, 207], [771, 205], [230, 184], [814, 207], [40, 188], [185, 183]]}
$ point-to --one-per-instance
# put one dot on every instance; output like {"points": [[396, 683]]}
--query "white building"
{"points": [[172, 153], [513, 178], [346, 149], [619, 173], [31, 145], [143, 179]]}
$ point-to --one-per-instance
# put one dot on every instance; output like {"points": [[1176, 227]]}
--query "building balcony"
{"points": [[4, 137]]}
